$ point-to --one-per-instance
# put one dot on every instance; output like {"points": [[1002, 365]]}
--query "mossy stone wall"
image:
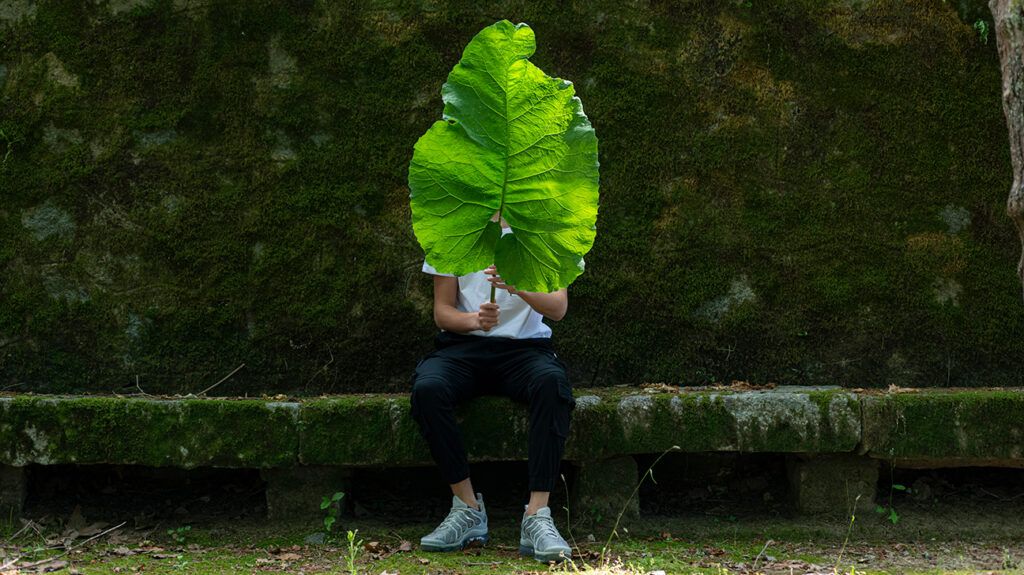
{"points": [[798, 192]]}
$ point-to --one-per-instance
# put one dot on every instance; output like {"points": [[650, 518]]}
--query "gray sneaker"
{"points": [[539, 538], [464, 525]]}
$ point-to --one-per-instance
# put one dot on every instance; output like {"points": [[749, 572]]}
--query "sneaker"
{"points": [[464, 525], [539, 539]]}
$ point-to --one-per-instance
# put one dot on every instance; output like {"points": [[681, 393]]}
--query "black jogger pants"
{"points": [[464, 366]]}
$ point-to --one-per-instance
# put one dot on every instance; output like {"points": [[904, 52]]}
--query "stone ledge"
{"points": [[919, 428], [180, 433], [945, 427], [361, 430]]}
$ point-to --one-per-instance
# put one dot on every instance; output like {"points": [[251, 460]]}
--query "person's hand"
{"points": [[488, 315], [497, 282]]}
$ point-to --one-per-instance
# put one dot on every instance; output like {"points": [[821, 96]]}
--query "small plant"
{"points": [[329, 504], [615, 532], [353, 551], [889, 510], [179, 534], [982, 27], [604, 558], [849, 528], [1008, 562]]}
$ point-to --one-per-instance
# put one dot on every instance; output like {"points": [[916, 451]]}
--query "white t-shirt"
{"points": [[517, 319]]}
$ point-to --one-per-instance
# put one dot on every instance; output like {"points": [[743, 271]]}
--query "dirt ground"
{"points": [[138, 520]]}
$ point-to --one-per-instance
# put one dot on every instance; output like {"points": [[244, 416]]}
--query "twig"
{"points": [[1000, 497], [323, 369], [756, 559], [72, 548], [148, 533], [13, 537], [137, 385], [223, 379], [568, 518], [39, 532]]}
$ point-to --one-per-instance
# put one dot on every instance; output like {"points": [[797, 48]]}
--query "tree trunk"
{"points": [[1009, 28]]}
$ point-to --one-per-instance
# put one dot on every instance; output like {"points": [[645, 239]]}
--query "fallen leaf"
{"points": [[289, 556], [92, 529], [660, 387], [405, 546], [77, 520]]}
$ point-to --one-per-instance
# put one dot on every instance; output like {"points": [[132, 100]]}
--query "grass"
{"points": [[669, 545]]}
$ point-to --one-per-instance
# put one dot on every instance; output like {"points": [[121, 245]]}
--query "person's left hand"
{"points": [[497, 282]]}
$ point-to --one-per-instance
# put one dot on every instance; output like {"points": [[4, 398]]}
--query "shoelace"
{"points": [[458, 519], [541, 525]]}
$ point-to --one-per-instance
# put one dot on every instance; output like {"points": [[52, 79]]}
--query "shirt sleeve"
{"points": [[427, 268]]}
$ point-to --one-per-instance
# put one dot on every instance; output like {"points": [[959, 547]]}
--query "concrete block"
{"points": [[13, 489], [296, 492], [602, 489], [835, 483]]}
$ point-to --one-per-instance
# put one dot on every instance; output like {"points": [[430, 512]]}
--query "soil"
{"points": [[707, 514]]}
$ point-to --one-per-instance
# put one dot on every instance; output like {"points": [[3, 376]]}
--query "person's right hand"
{"points": [[488, 315]]}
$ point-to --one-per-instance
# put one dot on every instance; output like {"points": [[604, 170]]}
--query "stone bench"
{"points": [[833, 438]]}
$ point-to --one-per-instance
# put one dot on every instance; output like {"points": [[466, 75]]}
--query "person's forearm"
{"points": [[551, 305], [450, 319]]}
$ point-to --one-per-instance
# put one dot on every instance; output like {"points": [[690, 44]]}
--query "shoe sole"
{"points": [[556, 557], [481, 539]]}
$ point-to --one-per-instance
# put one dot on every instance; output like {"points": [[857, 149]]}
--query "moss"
{"points": [[180, 433], [377, 429], [773, 178], [605, 423], [363, 430], [963, 424]]}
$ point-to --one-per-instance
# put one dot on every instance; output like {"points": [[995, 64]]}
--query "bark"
{"points": [[1009, 28]]}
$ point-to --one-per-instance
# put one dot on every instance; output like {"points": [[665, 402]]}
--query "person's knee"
{"points": [[545, 384], [429, 390], [552, 387]]}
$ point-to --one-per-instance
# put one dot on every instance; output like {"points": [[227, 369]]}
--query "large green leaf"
{"points": [[516, 141]]}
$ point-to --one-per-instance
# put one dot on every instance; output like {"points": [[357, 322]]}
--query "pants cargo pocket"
{"points": [[563, 414]]}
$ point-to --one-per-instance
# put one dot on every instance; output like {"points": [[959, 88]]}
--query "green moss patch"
{"points": [[966, 425], [180, 433], [798, 192], [378, 429]]}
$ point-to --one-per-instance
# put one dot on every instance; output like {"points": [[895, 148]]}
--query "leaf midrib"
{"points": [[508, 142]]}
